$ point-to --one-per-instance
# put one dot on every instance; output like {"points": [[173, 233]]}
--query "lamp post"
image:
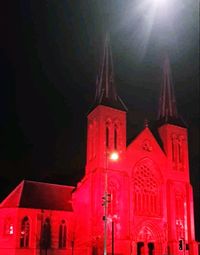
{"points": [[106, 198], [113, 235]]}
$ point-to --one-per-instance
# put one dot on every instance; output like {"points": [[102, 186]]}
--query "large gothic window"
{"points": [[62, 235], [24, 233], [146, 184]]}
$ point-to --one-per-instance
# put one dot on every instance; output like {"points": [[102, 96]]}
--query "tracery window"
{"points": [[146, 191], [24, 232], [62, 234]]}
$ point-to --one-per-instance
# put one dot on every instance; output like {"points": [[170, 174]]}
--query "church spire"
{"points": [[167, 103], [106, 93]]}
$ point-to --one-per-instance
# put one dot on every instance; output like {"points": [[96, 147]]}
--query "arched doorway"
{"points": [[145, 242], [148, 241]]}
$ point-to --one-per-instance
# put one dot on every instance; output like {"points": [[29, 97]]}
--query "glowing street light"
{"points": [[114, 156]]}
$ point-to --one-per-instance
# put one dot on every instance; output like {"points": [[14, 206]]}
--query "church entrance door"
{"points": [[144, 248], [150, 248]]}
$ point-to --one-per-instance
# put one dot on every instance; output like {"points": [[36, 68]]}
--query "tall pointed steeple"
{"points": [[167, 103], [106, 93]]}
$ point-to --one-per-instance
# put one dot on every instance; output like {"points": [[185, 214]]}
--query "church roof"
{"points": [[39, 195]]}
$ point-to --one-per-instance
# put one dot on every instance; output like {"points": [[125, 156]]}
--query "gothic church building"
{"points": [[141, 199]]}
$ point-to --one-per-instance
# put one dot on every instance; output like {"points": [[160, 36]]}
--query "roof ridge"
{"points": [[21, 192], [47, 183], [9, 196]]}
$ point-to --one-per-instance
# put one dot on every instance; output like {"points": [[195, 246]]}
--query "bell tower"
{"points": [[107, 119], [172, 129], [173, 133]]}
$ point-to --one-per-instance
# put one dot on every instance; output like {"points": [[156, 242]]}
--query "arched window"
{"points": [[180, 152], [62, 235], [46, 234], [174, 149], [107, 136], [147, 199], [24, 233], [115, 137], [107, 133]]}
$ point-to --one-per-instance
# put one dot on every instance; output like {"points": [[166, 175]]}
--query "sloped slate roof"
{"points": [[39, 195]]}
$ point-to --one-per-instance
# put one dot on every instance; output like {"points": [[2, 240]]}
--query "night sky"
{"points": [[50, 55]]}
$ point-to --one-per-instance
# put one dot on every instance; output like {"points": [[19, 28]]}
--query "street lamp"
{"points": [[114, 156]]}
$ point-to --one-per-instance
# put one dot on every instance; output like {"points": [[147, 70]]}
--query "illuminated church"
{"points": [[139, 202]]}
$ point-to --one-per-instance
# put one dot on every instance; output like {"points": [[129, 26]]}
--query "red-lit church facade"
{"points": [[150, 209]]}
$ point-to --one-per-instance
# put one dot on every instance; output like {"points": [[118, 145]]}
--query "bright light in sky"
{"points": [[160, 2], [160, 5], [157, 18]]}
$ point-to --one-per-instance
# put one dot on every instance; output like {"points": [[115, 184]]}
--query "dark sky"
{"points": [[50, 52]]}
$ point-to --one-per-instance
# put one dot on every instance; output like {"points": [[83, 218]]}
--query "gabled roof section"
{"points": [[39, 195], [106, 93], [13, 199], [167, 112], [149, 141]]}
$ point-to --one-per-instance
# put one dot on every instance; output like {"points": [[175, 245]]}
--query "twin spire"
{"points": [[167, 103], [106, 93]]}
